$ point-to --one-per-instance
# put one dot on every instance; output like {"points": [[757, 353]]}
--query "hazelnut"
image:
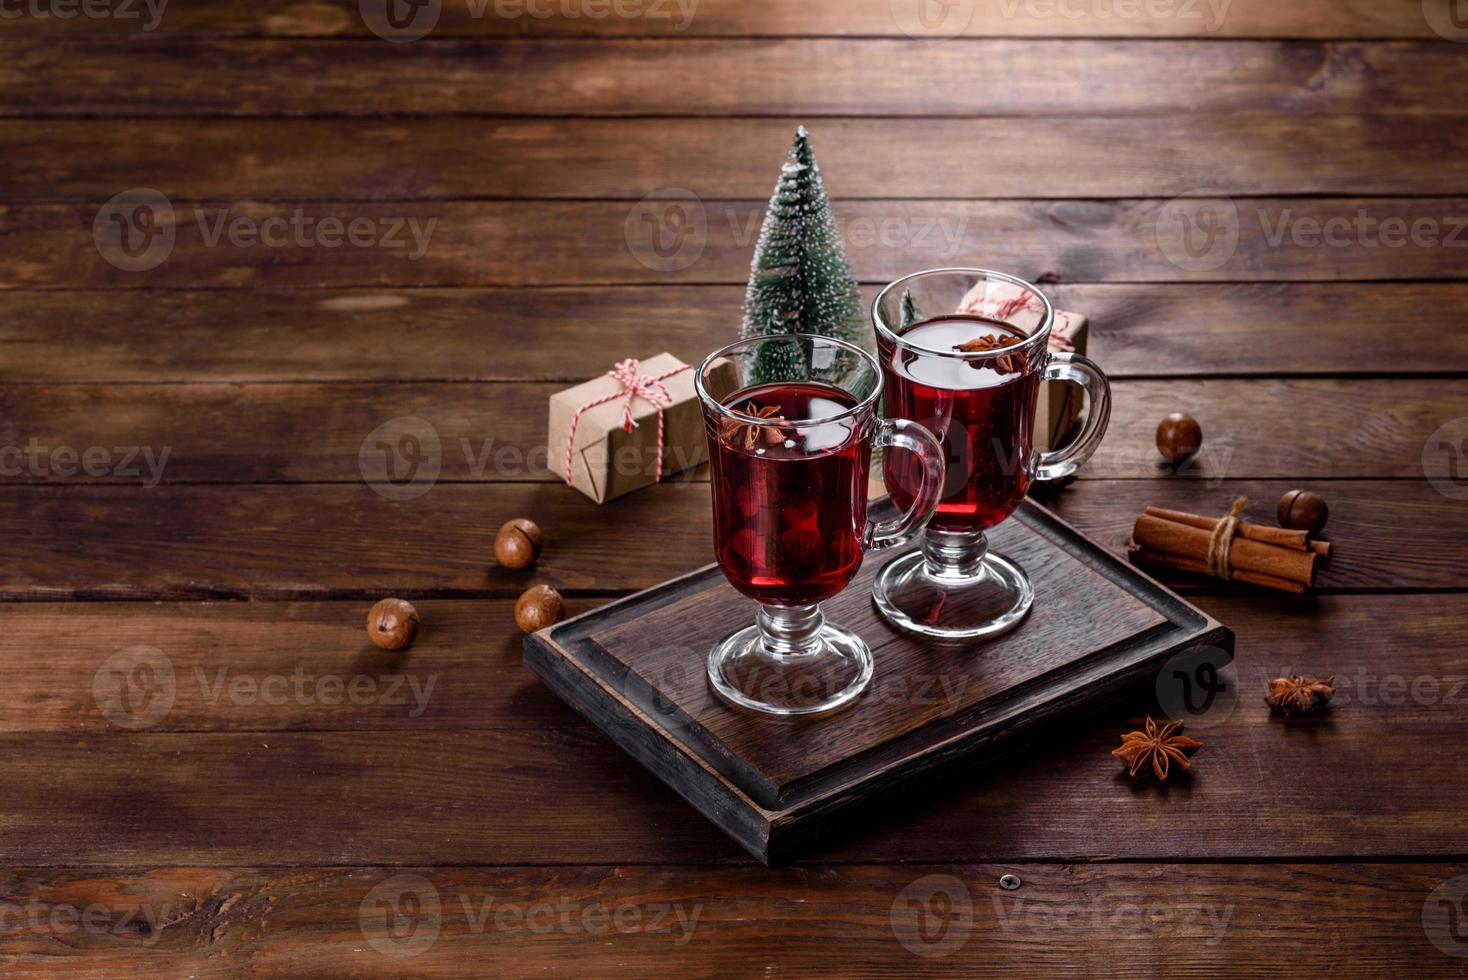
{"points": [[1178, 437], [518, 543], [1301, 510], [393, 624], [539, 607]]}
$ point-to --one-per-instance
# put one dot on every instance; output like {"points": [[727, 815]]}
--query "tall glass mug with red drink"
{"points": [[964, 352], [791, 425]]}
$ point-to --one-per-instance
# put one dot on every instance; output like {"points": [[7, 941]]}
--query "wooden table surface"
{"points": [[206, 769]]}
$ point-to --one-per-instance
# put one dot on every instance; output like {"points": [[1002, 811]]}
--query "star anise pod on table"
{"points": [[1004, 364], [1294, 695], [1159, 746], [749, 434]]}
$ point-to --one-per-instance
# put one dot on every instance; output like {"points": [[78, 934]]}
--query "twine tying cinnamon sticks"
{"points": [[1221, 543], [1227, 548]]}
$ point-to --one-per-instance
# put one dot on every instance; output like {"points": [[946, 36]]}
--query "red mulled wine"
{"points": [[790, 495], [981, 410]]}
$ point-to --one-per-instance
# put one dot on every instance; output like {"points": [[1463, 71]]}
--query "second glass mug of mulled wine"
{"points": [[791, 423], [964, 352]]}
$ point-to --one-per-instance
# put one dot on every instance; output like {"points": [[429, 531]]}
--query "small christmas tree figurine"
{"points": [[800, 281]]}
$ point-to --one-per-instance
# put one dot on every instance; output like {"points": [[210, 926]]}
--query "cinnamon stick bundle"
{"points": [[1284, 537], [1274, 558]]}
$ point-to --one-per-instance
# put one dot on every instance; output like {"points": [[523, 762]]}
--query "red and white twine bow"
{"points": [[647, 387]]}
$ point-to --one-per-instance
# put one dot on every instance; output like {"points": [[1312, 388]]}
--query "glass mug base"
{"points": [[968, 595], [792, 663]]}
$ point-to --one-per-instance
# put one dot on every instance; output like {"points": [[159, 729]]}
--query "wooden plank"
{"points": [[416, 334], [436, 243], [1309, 429], [1362, 640], [278, 433], [338, 541], [569, 796], [920, 921], [347, 541], [1380, 529], [1136, 331], [740, 18], [409, 159], [45, 76], [241, 666], [489, 432], [467, 663], [1268, 328]]}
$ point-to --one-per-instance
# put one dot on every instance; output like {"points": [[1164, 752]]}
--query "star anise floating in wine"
{"points": [[1294, 695], [1004, 364], [1159, 746], [749, 434]]}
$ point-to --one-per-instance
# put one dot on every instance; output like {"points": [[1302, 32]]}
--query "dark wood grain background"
{"points": [[254, 814]]}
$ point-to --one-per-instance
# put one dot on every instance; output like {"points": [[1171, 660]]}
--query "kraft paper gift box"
{"points": [[1059, 408], [607, 461]]}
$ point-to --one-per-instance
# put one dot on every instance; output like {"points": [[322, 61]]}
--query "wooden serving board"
{"points": [[636, 670]]}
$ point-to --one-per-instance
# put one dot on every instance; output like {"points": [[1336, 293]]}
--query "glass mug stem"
{"points": [[791, 631], [956, 556]]}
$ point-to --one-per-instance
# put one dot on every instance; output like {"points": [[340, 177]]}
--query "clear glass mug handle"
{"points": [[1077, 370], [902, 434]]}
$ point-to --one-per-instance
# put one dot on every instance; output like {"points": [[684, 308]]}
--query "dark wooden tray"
{"points": [[636, 670]]}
